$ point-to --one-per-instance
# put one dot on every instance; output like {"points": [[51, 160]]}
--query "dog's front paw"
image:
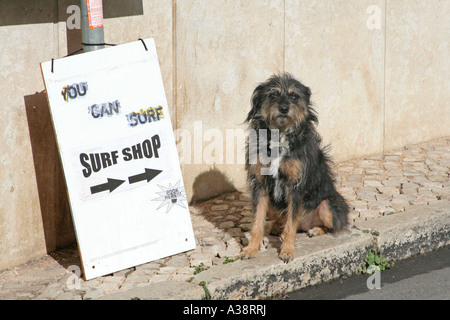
{"points": [[249, 253], [287, 254]]}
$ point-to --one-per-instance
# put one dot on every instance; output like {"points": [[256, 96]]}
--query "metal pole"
{"points": [[92, 25]]}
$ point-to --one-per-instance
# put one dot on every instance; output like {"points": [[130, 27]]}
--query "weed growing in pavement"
{"points": [[391, 213], [207, 293], [201, 267], [228, 260], [372, 232], [373, 261]]}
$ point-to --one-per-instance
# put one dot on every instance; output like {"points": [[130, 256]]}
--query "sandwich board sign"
{"points": [[119, 157]]}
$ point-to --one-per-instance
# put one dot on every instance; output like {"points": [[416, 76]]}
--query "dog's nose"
{"points": [[283, 108]]}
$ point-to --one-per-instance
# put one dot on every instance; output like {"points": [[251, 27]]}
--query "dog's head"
{"points": [[282, 102]]}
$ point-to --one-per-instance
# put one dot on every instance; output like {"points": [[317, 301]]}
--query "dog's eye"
{"points": [[275, 94], [293, 96]]}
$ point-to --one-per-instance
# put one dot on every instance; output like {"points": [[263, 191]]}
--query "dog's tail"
{"points": [[340, 210]]}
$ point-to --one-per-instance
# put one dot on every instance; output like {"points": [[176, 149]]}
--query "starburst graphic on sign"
{"points": [[173, 195]]}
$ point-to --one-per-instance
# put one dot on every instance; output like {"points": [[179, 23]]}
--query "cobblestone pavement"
{"points": [[373, 186]]}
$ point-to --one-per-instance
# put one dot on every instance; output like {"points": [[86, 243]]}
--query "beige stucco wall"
{"points": [[417, 71], [224, 48], [21, 228], [376, 88], [329, 45]]}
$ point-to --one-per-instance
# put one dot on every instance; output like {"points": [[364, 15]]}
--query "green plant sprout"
{"points": [[374, 258]]}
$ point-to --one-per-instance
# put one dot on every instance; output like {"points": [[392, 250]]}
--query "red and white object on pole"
{"points": [[95, 13]]}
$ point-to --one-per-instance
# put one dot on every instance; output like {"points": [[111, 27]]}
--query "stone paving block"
{"points": [[441, 193], [94, 294], [369, 164], [380, 206], [422, 181], [222, 207], [13, 286], [353, 214], [388, 191], [354, 178], [383, 198], [344, 169], [395, 173], [8, 295], [227, 224], [394, 153], [372, 183], [357, 171], [166, 290], [391, 166], [136, 277], [399, 205], [426, 193], [346, 190], [198, 259], [246, 219], [352, 184], [349, 198], [178, 261], [405, 197], [438, 177], [409, 185], [366, 194], [52, 291], [233, 249], [111, 284], [358, 205], [438, 168], [393, 182], [368, 214], [69, 296], [247, 213], [391, 158], [156, 278], [236, 232]]}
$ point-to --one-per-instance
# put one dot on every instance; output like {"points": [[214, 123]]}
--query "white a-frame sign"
{"points": [[119, 157]]}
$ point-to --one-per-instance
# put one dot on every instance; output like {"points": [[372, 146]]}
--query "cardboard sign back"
{"points": [[119, 157]]}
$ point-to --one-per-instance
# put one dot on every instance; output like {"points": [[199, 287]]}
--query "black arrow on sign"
{"points": [[148, 175], [111, 185]]}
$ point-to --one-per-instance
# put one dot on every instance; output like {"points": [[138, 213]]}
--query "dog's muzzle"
{"points": [[284, 109]]}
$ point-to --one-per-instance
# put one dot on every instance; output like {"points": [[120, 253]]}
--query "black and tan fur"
{"points": [[296, 189]]}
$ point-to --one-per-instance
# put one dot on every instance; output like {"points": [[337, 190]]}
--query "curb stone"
{"points": [[317, 260], [423, 228]]}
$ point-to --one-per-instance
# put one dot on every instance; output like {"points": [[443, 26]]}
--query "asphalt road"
{"points": [[424, 277]]}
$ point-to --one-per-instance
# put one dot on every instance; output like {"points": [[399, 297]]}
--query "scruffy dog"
{"points": [[288, 170]]}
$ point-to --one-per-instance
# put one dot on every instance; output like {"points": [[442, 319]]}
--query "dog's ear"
{"points": [[257, 99], [307, 93]]}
